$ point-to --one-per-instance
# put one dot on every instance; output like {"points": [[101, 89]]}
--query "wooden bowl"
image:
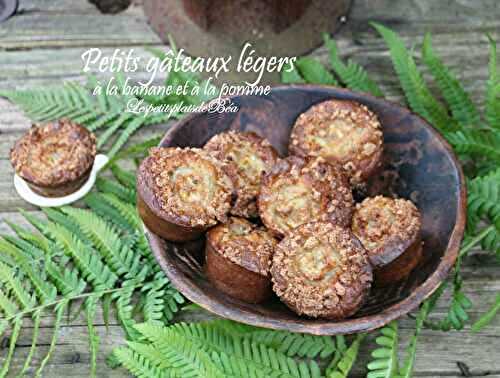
{"points": [[418, 165]]}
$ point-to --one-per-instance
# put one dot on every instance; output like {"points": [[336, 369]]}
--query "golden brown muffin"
{"points": [[297, 191], [342, 132], [55, 159], [390, 231], [182, 192], [238, 257], [321, 270], [245, 156]]}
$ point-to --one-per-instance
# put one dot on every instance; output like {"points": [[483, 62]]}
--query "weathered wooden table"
{"points": [[42, 45]]}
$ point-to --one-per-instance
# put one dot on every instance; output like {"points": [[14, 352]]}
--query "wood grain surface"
{"points": [[42, 45]]}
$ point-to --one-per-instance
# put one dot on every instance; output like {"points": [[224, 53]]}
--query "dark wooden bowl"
{"points": [[418, 164]]}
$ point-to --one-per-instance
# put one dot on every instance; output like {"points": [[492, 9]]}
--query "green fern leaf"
{"points": [[461, 106], [154, 303], [124, 309], [478, 143], [87, 261], [289, 343], [488, 317], [352, 75], [108, 212], [407, 368], [90, 311], [45, 290], [131, 128], [385, 357], [127, 211], [37, 318], [243, 351], [125, 178], [60, 308], [492, 112], [56, 216], [18, 323], [416, 91], [290, 75], [346, 362], [8, 306], [180, 356], [8, 278], [484, 203], [113, 187], [137, 363], [107, 241], [314, 72]]}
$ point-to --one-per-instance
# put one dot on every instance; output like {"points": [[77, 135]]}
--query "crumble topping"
{"points": [[321, 270], [344, 132], [189, 185], [54, 154], [301, 190], [381, 221], [245, 156], [244, 244]]}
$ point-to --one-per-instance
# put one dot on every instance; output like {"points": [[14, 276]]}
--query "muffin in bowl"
{"points": [[342, 132], [182, 192]]}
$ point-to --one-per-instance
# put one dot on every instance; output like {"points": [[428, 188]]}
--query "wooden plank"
{"points": [[437, 353], [62, 25]]}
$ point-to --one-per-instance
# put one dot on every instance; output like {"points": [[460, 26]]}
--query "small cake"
{"points": [[299, 190], [245, 156], [321, 270], [55, 159], [182, 192], [390, 231], [238, 257], [342, 132]]}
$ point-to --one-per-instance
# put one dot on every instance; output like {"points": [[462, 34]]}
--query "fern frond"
{"points": [[60, 308], [478, 143], [492, 112], [8, 278], [103, 236], [289, 343], [113, 187], [416, 91], [352, 75], [7, 305], [385, 357], [125, 135], [137, 150], [459, 102], [406, 370], [180, 356], [88, 262], [125, 178], [45, 290], [67, 280], [37, 318], [290, 75], [108, 212], [243, 351], [18, 323], [346, 362], [154, 303], [90, 311], [137, 363], [488, 317], [484, 203], [124, 309], [314, 71], [127, 211]]}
